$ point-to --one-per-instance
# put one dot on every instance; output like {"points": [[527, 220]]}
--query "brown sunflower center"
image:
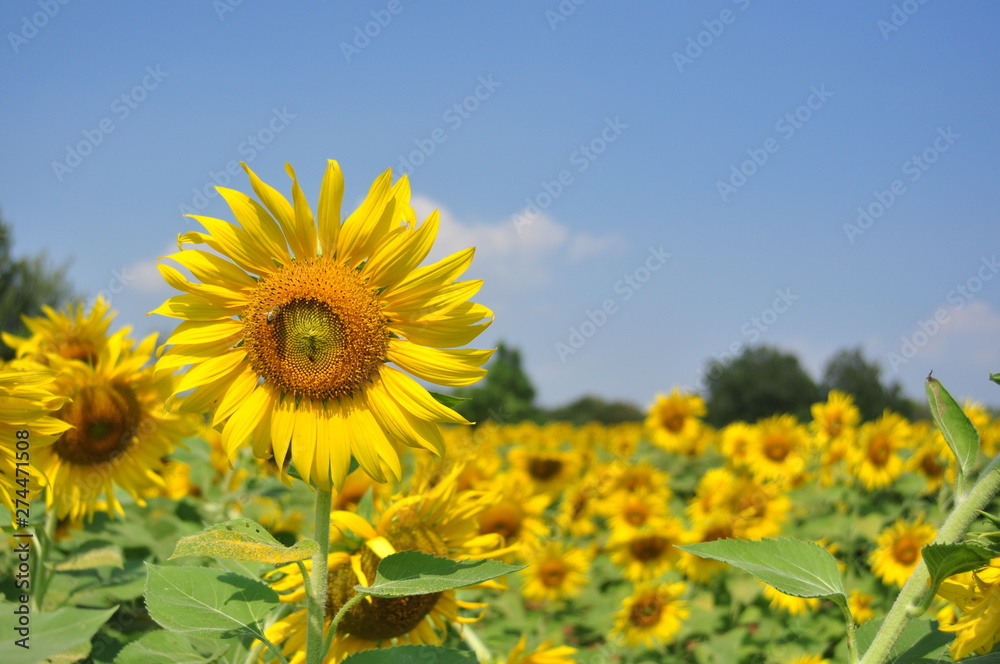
{"points": [[78, 349], [315, 330], [906, 551], [673, 421], [648, 548], [551, 573], [504, 518], [776, 448], [930, 466], [879, 451], [646, 611], [636, 514], [105, 418], [544, 469], [382, 619]]}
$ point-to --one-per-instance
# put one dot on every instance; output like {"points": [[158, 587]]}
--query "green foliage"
{"points": [[418, 573], [944, 560], [505, 396], [794, 567], [51, 633], [26, 284], [412, 655], [848, 371], [921, 642], [955, 425], [208, 603], [760, 382], [243, 539], [162, 647]]}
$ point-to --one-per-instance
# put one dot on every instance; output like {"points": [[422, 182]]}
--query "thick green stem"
{"points": [[317, 598], [914, 592]]}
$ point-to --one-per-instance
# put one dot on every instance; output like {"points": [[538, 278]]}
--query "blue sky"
{"points": [[649, 185]]}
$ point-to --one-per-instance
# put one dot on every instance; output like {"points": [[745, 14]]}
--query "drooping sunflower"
{"points": [[875, 458], [652, 615], [898, 552], [977, 595], [27, 404], [440, 521], [674, 422], [555, 571], [120, 430], [301, 329]]}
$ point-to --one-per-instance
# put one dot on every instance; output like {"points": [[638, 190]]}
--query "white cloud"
{"points": [[529, 256]]}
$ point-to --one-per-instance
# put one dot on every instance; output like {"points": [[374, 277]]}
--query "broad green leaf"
{"points": [[794, 567], [995, 377], [243, 539], [105, 555], [958, 430], [49, 634], [412, 655], [992, 658], [208, 603], [921, 642], [162, 647], [75, 654], [944, 560], [418, 573]]}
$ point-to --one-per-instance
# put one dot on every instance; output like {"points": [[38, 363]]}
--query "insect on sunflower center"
{"points": [[314, 329]]}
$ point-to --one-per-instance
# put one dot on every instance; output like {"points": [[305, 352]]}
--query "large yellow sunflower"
{"points": [[297, 317], [977, 595], [440, 521], [120, 431], [26, 425], [899, 550]]}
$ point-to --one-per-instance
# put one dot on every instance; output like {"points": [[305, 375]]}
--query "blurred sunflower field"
{"points": [[273, 484]]}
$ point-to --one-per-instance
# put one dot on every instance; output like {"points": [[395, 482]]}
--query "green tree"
{"points": [[760, 382], [506, 395], [594, 409], [849, 371], [26, 284]]}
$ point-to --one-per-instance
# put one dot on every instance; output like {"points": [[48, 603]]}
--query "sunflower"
{"points": [[755, 508], [779, 450], [674, 422], [515, 514], [898, 552], [630, 510], [696, 568], [861, 606], [836, 419], [977, 595], [303, 329], [27, 403], [577, 509], [548, 470], [545, 653], [791, 604], [555, 571], [931, 458], [631, 477], [72, 334], [120, 431], [441, 521], [647, 552], [875, 458], [652, 615], [737, 439]]}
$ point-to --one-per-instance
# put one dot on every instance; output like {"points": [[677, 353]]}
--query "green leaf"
{"points": [[161, 647], [101, 555], [448, 400], [72, 656], [794, 567], [243, 539], [208, 603], [920, 642], [412, 655], [418, 573], [995, 377], [50, 634], [944, 560], [958, 430]]}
